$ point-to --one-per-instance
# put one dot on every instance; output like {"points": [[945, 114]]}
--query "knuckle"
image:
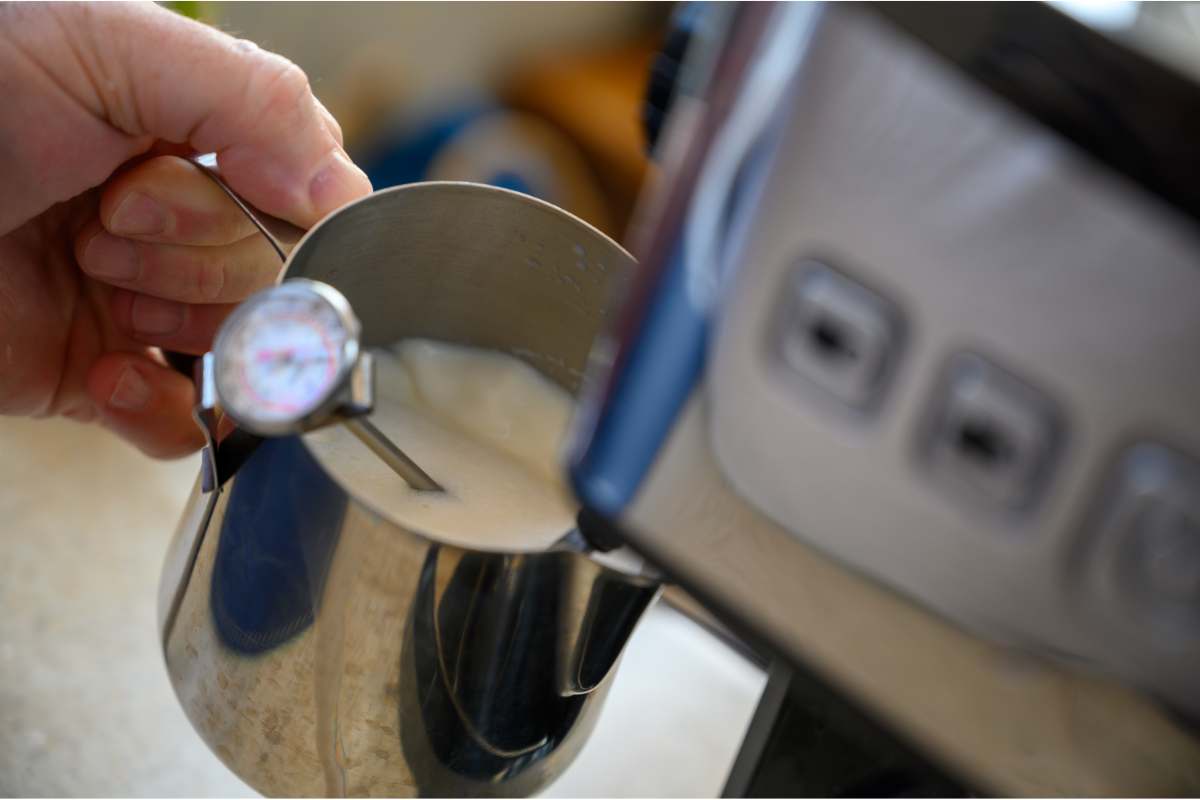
{"points": [[285, 84]]}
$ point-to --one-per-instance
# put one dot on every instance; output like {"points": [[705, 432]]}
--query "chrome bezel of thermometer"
{"points": [[346, 393]]}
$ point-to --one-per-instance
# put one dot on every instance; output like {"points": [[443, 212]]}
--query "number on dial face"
{"points": [[280, 356]]}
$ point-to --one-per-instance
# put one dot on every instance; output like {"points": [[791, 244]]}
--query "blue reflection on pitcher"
{"points": [[276, 543]]}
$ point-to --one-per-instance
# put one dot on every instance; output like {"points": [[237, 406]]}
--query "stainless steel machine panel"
{"points": [[1025, 325]]}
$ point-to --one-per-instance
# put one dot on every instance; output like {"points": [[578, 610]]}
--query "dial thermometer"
{"points": [[289, 360]]}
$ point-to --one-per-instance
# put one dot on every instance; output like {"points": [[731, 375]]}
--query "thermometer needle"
{"points": [[391, 455]]}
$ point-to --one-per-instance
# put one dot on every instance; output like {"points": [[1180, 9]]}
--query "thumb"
{"points": [[182, 81]]}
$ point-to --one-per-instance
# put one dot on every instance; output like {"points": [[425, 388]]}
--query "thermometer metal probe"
{"points": [[289, 360]]}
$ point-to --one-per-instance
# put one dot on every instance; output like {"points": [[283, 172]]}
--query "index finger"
{"points": [[253, 108]]}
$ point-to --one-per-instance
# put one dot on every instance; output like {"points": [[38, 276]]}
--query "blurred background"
{"points": [[543, 98]]}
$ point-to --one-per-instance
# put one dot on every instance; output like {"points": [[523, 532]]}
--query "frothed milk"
{"points": [[485, 425]]}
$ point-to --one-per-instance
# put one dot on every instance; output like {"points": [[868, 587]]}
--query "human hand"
{"points": [[109, 249]]}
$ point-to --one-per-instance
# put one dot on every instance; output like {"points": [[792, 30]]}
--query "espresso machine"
{"points": [[906, 387], [896, 376]]}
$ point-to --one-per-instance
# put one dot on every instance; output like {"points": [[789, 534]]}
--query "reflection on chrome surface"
{"points": [[321, 650]]}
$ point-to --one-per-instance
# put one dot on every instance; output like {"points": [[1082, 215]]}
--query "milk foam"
{"points": [[485, 425]]}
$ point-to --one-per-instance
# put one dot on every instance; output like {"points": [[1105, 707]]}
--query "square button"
{"points": [[1150, 529], [837, 334], [992, 437]]}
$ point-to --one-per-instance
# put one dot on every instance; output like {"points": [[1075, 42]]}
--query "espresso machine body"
{"points": [[920, 298]]}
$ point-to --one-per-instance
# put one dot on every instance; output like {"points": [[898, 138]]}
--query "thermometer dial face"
{"points": [[283, 355]]}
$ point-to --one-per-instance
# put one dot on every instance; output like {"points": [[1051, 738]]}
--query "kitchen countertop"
{"points": [[85, 704]]}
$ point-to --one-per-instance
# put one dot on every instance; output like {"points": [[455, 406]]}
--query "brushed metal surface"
{"points": [[1009, 723], [820, 529], [994, 238]]}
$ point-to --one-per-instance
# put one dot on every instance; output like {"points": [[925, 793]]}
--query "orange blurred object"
{"points": [[596, 99]]}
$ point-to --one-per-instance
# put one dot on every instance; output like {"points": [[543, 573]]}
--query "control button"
{"points": [[837, 334], [991, 436], [1152, 524]]}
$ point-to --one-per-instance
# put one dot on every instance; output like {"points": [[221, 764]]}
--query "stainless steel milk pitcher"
{"points": [[321, 647]]}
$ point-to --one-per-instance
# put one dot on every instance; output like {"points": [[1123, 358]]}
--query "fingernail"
{"points": [[131, 392], [150, 315], [139, 215], [337, 183], [110, 258]]}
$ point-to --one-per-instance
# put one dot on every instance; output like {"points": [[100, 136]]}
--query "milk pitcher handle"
{"points": [[280, 234], [283, 237]]}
